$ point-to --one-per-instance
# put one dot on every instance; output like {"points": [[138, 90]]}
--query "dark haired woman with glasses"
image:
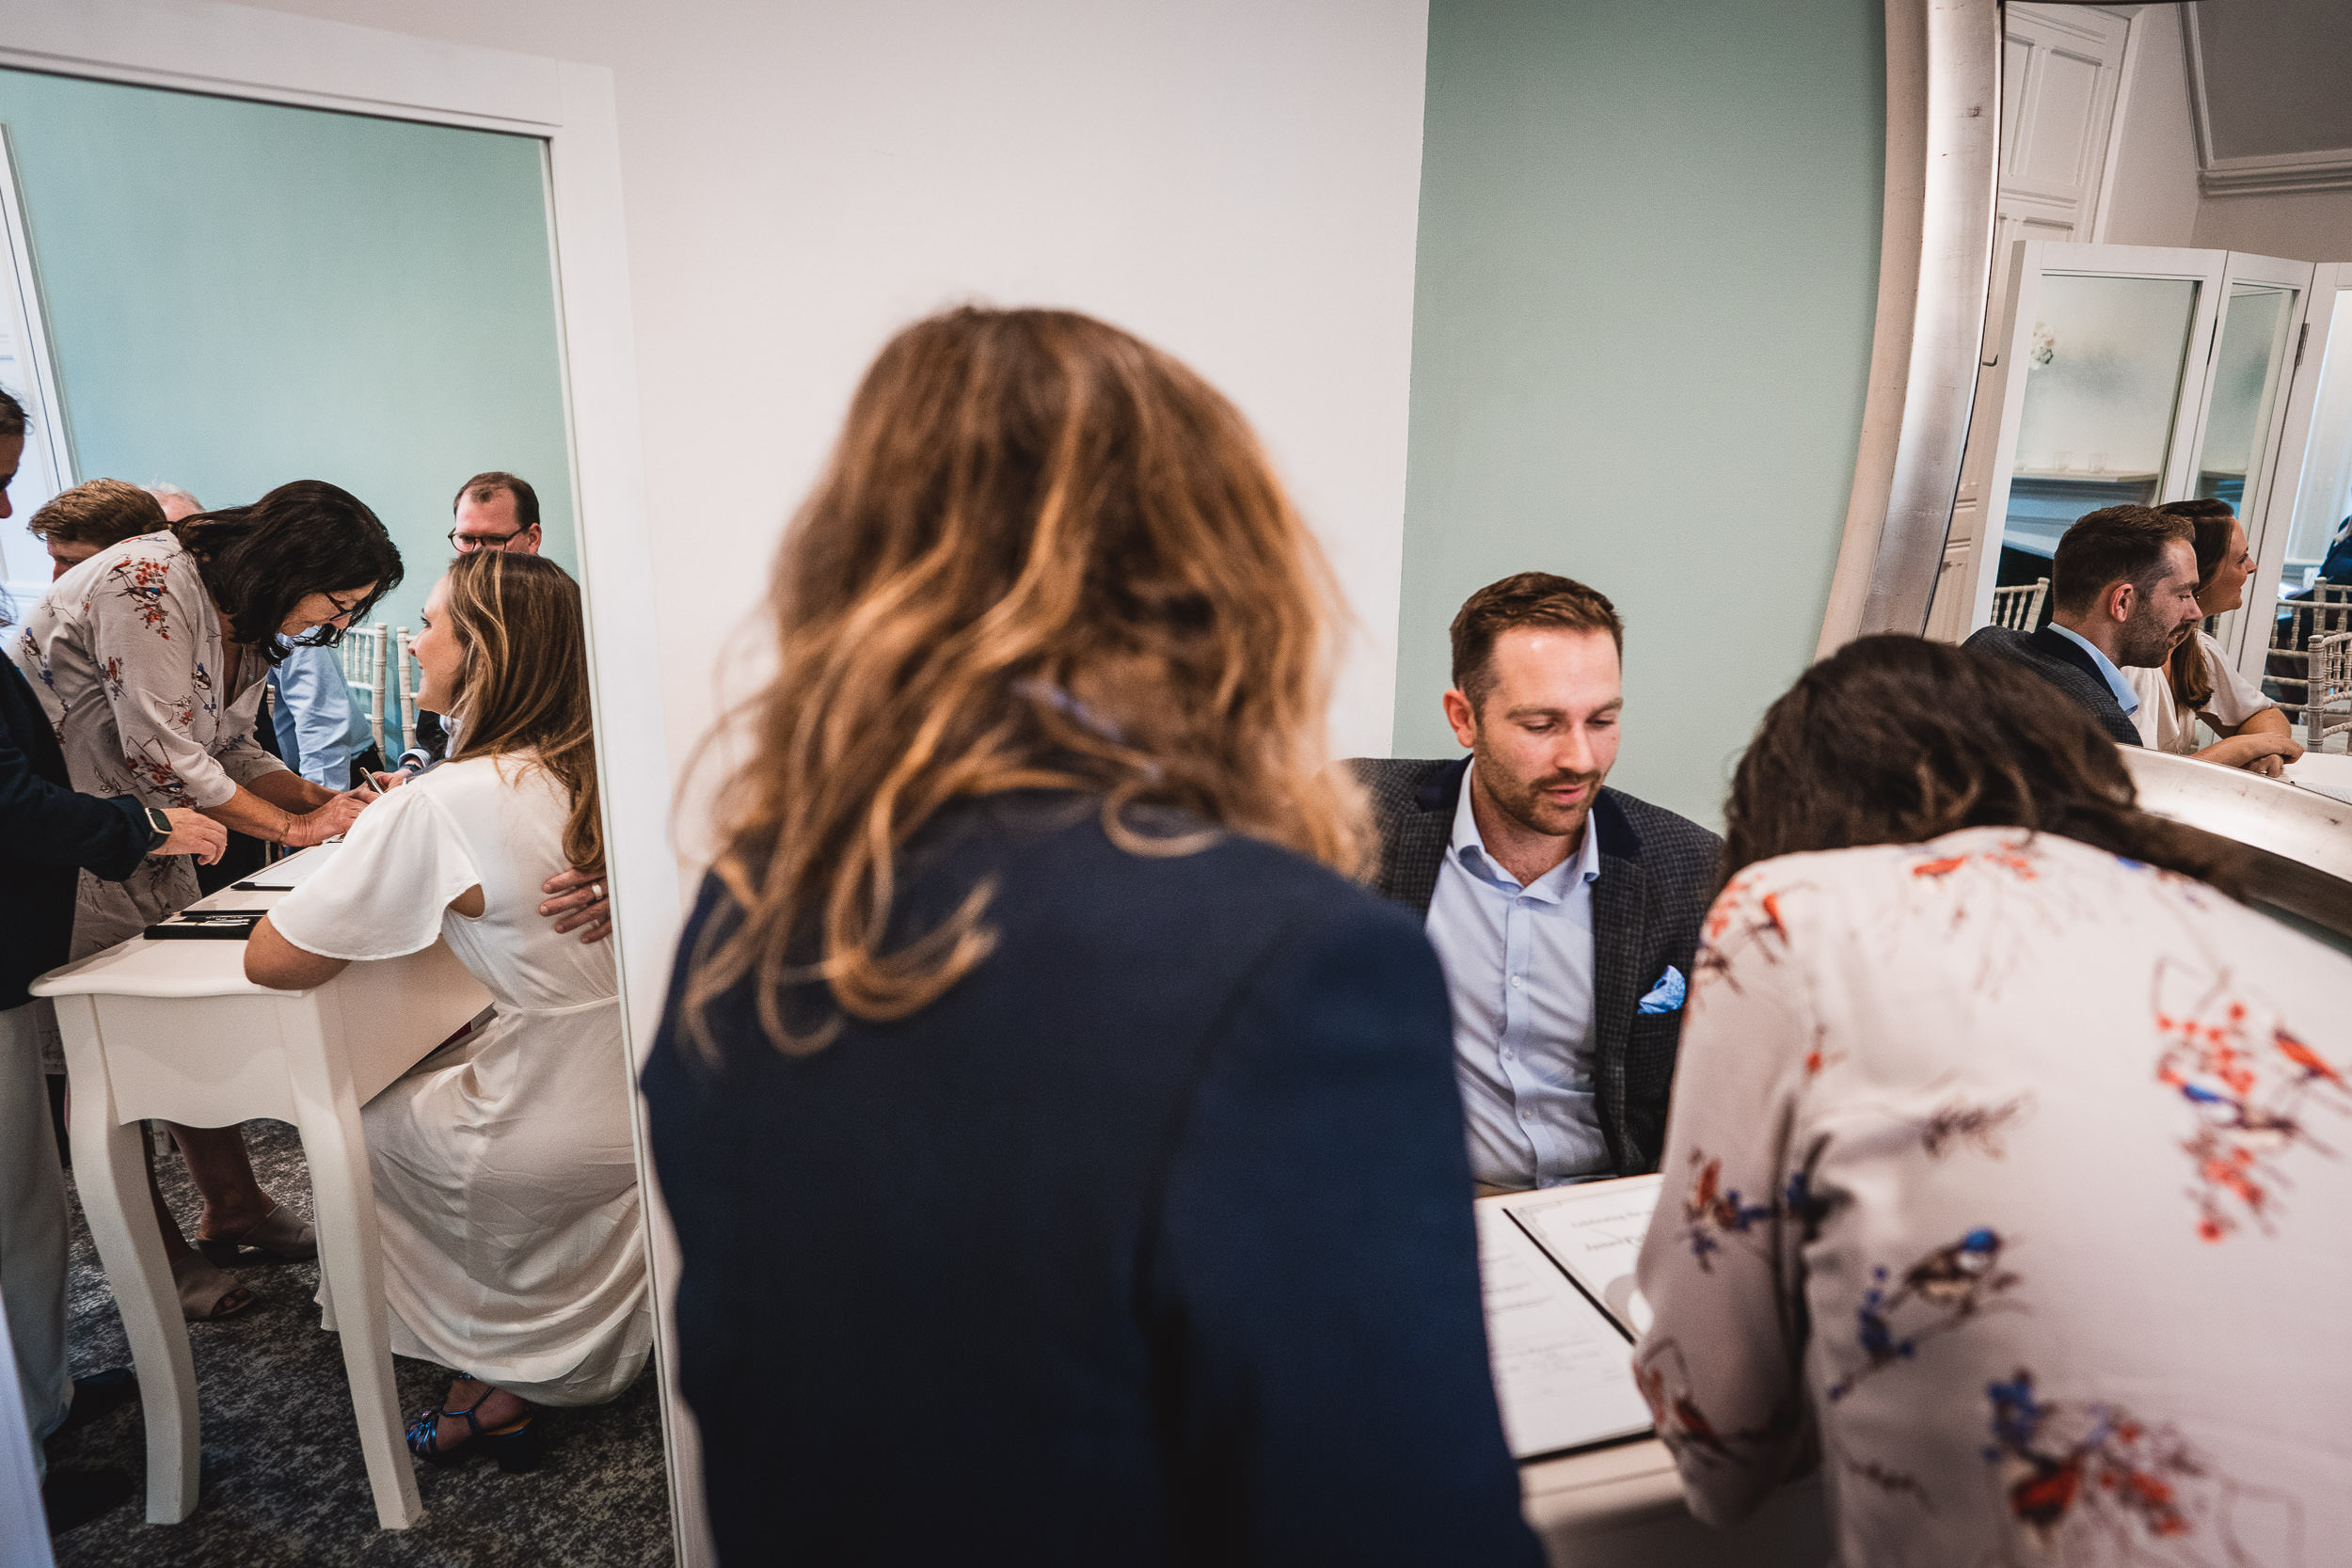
{"points": [[148, 660], [2006, 1170]]}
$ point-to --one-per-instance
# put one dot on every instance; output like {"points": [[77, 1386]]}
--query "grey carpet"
{"points": [[284, 1483]]}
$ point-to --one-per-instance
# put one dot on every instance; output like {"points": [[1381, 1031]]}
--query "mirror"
{"points": [[227, 295], [2172, 214]]}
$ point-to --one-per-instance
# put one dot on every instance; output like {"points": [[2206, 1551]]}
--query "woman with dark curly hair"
{"points": [[2002, 1171], [148, 660]]}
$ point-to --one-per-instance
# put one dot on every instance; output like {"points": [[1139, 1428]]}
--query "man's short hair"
{"points": [[99, 513], [2115, 543], [486, 487], [1523, 599], [12, 416]]}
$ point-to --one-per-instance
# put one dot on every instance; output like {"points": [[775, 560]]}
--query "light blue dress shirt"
{"points": [[1519, 966], [320, 729], [2116, 683]]}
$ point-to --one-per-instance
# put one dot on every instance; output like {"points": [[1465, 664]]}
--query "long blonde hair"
{"points": [[523, 686], [1044, 555]]}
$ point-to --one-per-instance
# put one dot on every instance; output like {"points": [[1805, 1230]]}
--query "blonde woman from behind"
{"points": [[1044, 1112]]}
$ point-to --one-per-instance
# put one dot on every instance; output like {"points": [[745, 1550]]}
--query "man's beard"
{"points": [[1526, 804], [2148, 640]]}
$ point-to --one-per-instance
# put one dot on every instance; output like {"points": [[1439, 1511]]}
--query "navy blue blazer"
{"points": [[47, 833], [1149, 1243]]}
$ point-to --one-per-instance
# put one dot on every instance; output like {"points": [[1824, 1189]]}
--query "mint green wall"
{"points": [[239, 294], [1642, 326]]}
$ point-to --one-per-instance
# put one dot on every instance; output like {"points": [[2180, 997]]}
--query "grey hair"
{"points": [[166, 492]]}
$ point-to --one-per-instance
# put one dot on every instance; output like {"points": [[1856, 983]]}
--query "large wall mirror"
{"points": [[237, 256], [2169, 209]]}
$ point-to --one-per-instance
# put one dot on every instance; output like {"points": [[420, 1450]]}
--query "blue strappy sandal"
{"points": [[517, 1446]]}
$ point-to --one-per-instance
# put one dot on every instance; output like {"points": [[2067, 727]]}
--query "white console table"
{"points": [[173, 1030]]}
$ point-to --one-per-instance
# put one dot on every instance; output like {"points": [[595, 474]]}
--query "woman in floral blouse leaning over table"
{"points": [[2040, 1242], [148, 660]]}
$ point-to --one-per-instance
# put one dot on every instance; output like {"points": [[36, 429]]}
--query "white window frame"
{"points": [[273, 57], [2031, 262], [2266, 533], [2215, 271]]}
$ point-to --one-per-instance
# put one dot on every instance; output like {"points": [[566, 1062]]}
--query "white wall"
{"points": [[2152, 196], [2155, 199], [1237, 182]]}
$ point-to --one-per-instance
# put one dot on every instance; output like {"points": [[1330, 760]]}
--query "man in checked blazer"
{"points": [[1565, 913]]}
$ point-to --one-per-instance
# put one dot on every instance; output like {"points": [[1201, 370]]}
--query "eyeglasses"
{"points": [[344, 612], [465, 544]]}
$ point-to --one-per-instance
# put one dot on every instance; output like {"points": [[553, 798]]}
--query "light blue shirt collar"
{"points": [[2116, 683], [1469, 849]]}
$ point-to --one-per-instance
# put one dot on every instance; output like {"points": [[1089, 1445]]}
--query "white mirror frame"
{"points": [[270, 56], [1935, 262]]}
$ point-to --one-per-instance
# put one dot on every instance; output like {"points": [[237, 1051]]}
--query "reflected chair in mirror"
{"points": [[364, 649], [2300, 624], [2327, 698], [404, 667], [2019, 608]]}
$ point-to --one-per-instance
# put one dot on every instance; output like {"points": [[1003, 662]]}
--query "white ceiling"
{"points": [[2278, 75]]}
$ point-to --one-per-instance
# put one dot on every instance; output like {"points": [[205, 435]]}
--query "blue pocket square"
{"points": [[1666, 996]]}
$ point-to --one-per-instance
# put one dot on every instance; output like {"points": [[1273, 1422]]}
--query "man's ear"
{"points": [[1463, 717], [2122, 599]]}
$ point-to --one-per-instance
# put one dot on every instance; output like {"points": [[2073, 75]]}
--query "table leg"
{"points": [[353, 1267], [112, 1180]]}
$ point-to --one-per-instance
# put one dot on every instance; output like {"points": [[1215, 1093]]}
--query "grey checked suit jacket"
{"points": [[2064, 665], [1658, 873]]}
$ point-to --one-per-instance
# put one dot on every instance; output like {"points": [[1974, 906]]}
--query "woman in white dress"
{"points": [[2198, 681], [505, 1178], [2008, 1161]]}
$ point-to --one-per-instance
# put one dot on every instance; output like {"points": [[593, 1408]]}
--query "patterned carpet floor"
{"points": [[283, 1483]]}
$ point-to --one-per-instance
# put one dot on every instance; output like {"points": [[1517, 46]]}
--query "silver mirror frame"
{"points": [[1935, 268]]}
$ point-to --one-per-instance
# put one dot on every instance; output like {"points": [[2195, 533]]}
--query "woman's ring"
{"points": [[596, 892]]}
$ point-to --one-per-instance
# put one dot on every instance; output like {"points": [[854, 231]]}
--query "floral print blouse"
{"points": [[126, 655], [2013, 1182]]}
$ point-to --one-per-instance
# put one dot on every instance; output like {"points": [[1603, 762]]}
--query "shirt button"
{"points": [[1527, 1115], [1518, 984], [1506, 1057]]}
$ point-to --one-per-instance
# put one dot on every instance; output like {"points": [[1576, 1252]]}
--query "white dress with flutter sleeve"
{"points": [[506, 1176]]}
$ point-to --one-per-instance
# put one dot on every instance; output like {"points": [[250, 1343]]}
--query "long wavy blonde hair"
{"points": [[1044, 555], [523, 685]]}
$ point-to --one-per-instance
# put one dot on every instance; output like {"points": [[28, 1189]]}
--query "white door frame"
{"points": [[270, 56], [2033, 261], [2266, 531], [2263, 466]]}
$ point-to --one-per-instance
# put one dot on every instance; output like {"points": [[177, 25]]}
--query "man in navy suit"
{"points": [[2124, 595], [1565, 913]]}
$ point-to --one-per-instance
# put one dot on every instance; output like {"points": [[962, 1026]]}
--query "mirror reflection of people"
{"points": [[149, 658], [2198, 680], [48, 831], [2123, 596], [1566, 913], [504, 1169], [2005, 1170], [1039, 1102]]}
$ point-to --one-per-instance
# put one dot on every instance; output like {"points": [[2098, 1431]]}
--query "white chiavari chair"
{"points": [[2020, 608], [364, 649]]}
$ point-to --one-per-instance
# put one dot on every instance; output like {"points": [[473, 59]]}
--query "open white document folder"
{"points": [[1594, 1230], [1563, 1369]]}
